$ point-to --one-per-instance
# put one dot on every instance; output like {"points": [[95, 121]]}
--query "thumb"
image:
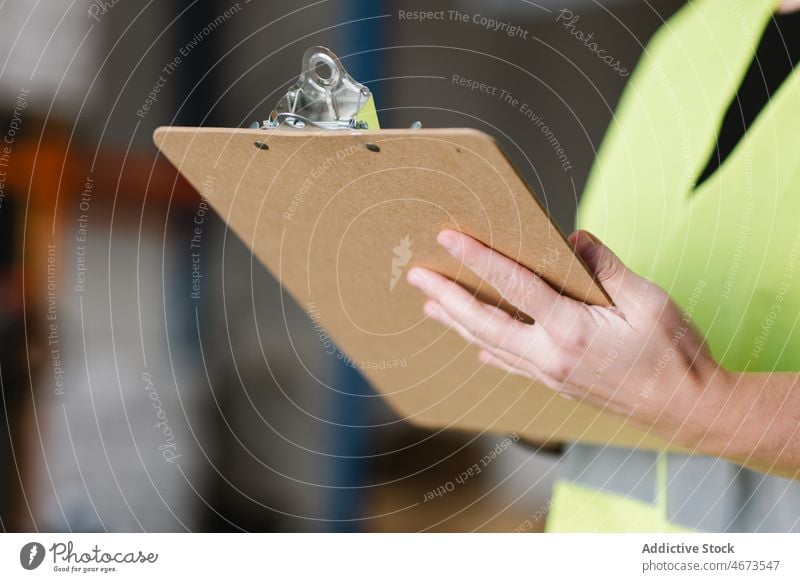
{"points": [[618, 281], [787, 6]]}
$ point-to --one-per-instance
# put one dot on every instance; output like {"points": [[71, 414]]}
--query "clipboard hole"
{"points": [[323, 72], [261, 145], [373, 147]]}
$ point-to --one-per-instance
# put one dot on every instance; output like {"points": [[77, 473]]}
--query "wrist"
{"points": [[713, 415]]}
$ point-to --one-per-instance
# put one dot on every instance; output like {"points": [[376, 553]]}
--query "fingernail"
{"points": [[449, 240], [585, 246], [416, 278]]}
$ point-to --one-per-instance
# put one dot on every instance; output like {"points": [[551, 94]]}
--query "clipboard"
{"points": [[339, 216]]}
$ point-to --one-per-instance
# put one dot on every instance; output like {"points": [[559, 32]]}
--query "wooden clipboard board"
{"points": [[339, 216]]}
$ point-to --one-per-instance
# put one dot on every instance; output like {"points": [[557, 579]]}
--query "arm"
{"points": [[641, 359], [767, 407]]}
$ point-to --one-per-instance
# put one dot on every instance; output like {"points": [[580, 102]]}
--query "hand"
{"points": [[642, 358]]}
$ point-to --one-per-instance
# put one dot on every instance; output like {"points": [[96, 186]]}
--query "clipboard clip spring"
{"points": [[325, 96]]}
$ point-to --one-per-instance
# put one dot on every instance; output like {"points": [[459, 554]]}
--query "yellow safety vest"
{"points": [[727, 251]]}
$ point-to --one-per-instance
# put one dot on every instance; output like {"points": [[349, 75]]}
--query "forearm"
{"points": [[753, 419]]}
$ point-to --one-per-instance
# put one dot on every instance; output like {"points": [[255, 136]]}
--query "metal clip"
{"points": [[324, 96]]}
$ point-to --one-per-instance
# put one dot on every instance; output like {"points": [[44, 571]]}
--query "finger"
{"points": [[499, 361], [522, 365], [788, 6], [496, 328], [493, 359], [497, 356], [622, 285], [437, 311], [515, 283], [531, 342], [493, 326]]}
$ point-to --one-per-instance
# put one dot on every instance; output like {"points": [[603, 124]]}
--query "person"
{"points": [[704, 333]]}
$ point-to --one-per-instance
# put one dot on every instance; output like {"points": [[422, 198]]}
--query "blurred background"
{"points": [[130, 403]]}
